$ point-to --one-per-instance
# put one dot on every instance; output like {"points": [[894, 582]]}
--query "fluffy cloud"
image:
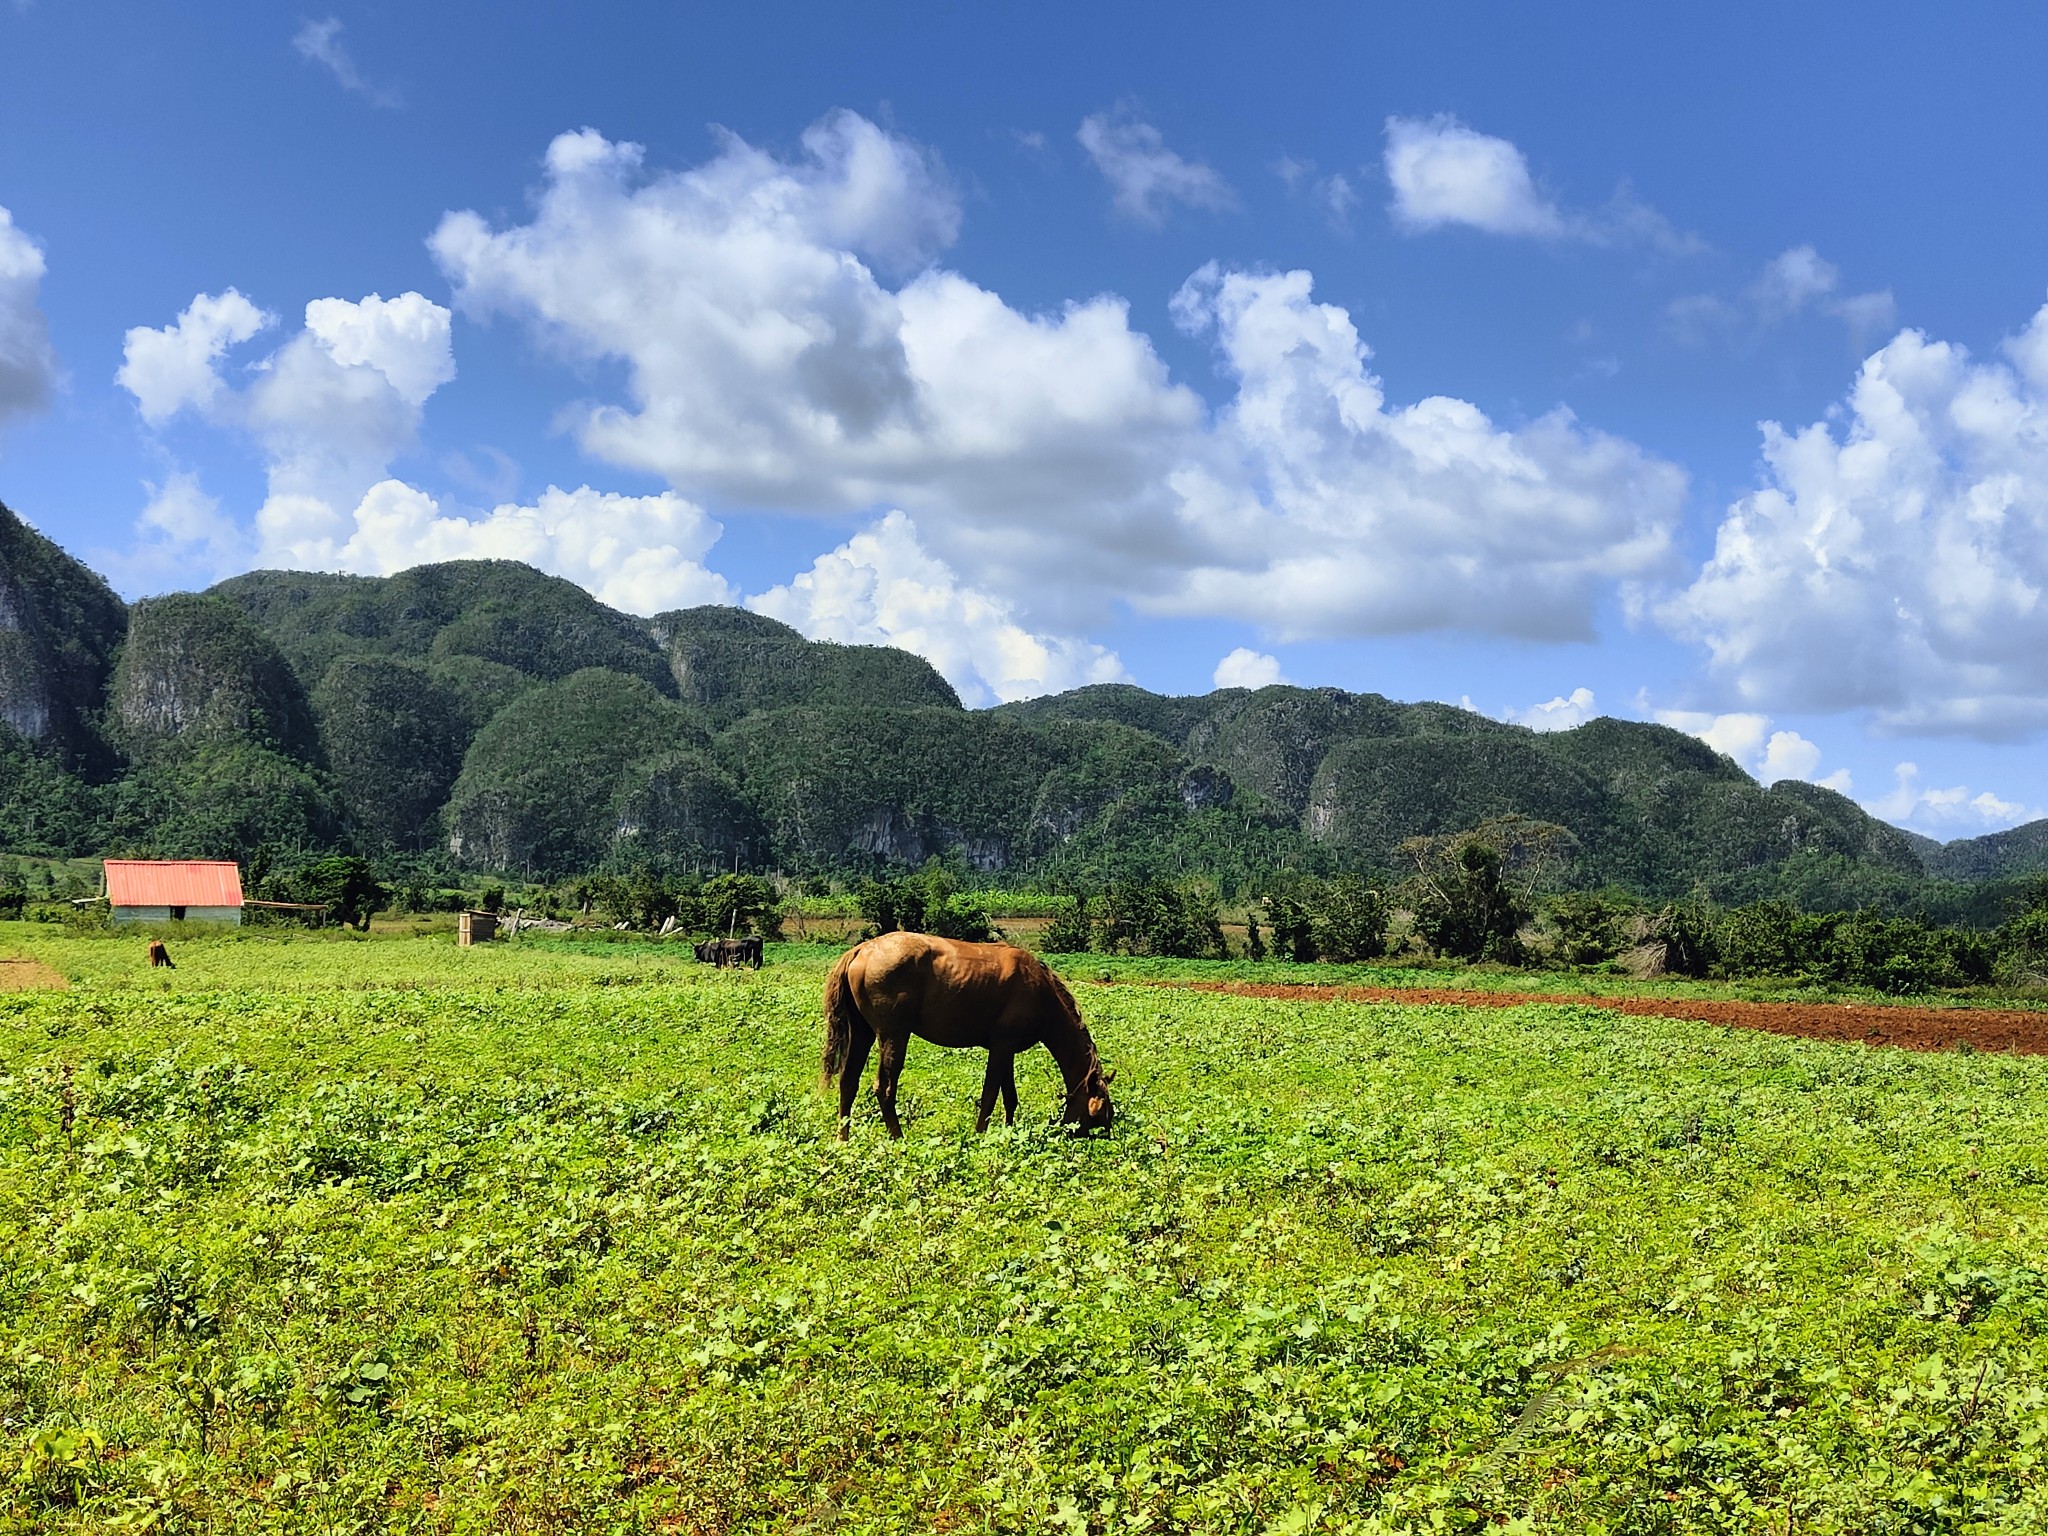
{"points": [[1379, 519], [331, 408], [182, 517], [1562, 713], [1748, 738], [1145, 177], [882, 587], [1445, 173], [1952, 810], [1247, 668], [1790, 284], [1047, 458], [640, 553], [28, 368], [1897, 557], [176, 367]]}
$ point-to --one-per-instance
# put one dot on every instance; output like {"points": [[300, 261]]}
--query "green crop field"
{"points": [[334, 1236]]}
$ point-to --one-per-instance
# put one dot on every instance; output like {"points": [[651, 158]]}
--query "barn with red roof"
{"points": [[174, 890]]}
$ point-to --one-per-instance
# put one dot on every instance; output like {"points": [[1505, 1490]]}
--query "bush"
{"points": [[1348, 919], [930, 902], [1157, 917], [1590, 927], [1464, 909], [1070, 932]]}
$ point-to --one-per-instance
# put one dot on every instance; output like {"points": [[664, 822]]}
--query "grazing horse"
{"points": [[158, 955], [990, 997]]}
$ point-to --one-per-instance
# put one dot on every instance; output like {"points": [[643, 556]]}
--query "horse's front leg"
{"points": [[997, 1080], [889, 1067]]}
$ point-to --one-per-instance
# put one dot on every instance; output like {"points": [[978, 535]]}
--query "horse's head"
{"points": [[1088, 1105]]}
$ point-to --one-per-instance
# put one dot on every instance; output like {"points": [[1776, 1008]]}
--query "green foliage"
{"points": [[729, 903], [395, 741], [729, 662], [867, 789], [60, 628], [929, 902], [362, 1235], [1464, 907], [348, 888], [1071, 931], [43, 809], [496, 611], [194, 668], [201, 798], [1343, 919], [1590, 926], [1159, 917], [596, 769]]}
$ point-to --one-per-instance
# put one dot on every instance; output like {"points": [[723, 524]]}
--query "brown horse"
{"points": [[990, 997]]}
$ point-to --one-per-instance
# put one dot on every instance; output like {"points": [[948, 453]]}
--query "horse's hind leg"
{"points": [[889, 1067], [997, 1080], [1009, 1090], [857, 1048]]}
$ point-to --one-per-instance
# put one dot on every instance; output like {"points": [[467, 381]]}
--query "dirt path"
{"points": [[20, 975], [1912, 1029]]}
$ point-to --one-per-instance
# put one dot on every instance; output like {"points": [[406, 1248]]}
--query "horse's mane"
{"points": [[1059, 990]]}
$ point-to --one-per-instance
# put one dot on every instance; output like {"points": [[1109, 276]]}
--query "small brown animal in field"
{"points": [[158, 955]]}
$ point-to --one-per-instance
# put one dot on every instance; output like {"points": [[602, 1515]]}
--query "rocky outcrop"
{"points": [[60, 626], [197, 667]]}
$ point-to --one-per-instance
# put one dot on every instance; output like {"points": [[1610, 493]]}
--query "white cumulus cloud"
{"points": [[330, 409], [1953, 810], [1563, 713], [1247, 668], [1375, 518], [28, 366], [882, 587], [643, 554], [1145, 177], [176, 367], [1047, 458], [1446, 173], [1747, 737], [1896, 557]]}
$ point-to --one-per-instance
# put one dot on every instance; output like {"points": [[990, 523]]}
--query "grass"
{"points": [[335, 1234]]}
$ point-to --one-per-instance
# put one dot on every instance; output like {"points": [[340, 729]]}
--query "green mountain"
{"points": [[60, 627], [509, 720]]}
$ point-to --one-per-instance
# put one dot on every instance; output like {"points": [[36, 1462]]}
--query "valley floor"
{"points": [[341, 1234]]}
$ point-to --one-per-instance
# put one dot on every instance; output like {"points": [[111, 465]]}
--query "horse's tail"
{"points": [[842, 1018]]}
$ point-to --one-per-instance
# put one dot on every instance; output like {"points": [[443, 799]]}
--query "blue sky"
{"points": [[1423, 350]]}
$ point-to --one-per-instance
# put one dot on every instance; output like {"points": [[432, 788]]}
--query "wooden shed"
{"points": [[174, 891]]}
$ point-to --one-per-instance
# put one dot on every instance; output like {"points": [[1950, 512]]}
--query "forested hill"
{"points": [[483, 712]]}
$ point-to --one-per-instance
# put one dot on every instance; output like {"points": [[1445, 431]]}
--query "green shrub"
{"points": [[1159, 917]]}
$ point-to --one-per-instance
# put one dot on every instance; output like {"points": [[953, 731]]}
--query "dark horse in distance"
{"points": [[990, 997]]}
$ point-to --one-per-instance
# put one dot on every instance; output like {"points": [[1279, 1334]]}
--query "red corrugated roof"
{"points": [[173, 883]]}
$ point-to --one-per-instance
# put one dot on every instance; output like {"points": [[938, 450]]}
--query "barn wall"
{"points": [[163, 915]]}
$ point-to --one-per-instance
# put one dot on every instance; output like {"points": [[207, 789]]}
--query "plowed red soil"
{"points": [[1908, 1028]]}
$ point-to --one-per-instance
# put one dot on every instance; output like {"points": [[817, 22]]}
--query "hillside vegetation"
{"points": [[485, 713]]}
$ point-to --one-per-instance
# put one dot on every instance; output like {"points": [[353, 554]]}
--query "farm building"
{"points": [[182, 890]]}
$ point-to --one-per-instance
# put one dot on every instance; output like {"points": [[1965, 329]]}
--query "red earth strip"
{"points": [[1908, 1028]]}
